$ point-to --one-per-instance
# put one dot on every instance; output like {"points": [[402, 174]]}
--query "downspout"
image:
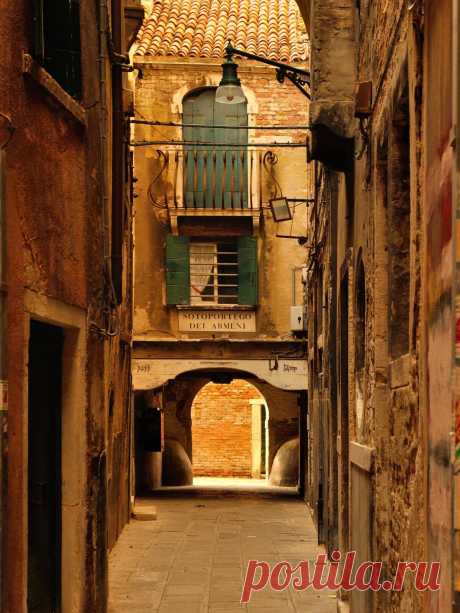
{"points": [[118, 169], [103, 126]]}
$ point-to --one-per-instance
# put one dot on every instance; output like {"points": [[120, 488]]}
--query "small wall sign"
{"points": [[217, 321]]}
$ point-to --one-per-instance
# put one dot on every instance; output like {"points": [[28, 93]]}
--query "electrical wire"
{"points": [[148, 143], [173, 124]]}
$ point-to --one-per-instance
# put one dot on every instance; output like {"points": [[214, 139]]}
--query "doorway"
{"points": [[44, 468]]}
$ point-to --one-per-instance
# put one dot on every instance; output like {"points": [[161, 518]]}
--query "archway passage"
{"points": [[230, 431], [216, 425]]}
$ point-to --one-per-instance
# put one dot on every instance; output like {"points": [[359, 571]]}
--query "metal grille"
{"points": [[214, 273]]}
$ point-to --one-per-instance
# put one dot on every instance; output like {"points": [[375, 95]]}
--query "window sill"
{"points": [[45, 80]]}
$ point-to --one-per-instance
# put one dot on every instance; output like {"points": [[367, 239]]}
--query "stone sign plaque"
{"points": [[217, 321]]}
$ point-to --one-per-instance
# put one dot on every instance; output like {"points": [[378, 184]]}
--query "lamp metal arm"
{"points": [[298, 76]]}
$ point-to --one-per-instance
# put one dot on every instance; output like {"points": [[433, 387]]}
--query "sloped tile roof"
{"points": [[200, 28]]}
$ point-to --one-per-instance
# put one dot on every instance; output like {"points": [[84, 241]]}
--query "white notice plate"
{"points": [[217, 321]]}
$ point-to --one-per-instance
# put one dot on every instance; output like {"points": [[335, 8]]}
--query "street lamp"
{"points": [[281, 211], [230, 91]]}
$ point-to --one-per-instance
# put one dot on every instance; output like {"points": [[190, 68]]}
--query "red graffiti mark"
{"points": [[457, 330]]}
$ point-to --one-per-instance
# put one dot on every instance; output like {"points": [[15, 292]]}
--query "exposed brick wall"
{"points": [[221, 429]]}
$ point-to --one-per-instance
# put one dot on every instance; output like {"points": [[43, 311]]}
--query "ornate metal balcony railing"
{"points": [[213, 179]]}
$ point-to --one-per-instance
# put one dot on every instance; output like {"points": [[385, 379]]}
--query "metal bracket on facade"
{"points": [[298, 76]]}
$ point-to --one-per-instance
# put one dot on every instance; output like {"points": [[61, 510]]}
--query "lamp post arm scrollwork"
{"points": [[298, 76]]}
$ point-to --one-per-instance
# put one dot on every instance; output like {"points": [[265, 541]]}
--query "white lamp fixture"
{"points": [[229, 90]]}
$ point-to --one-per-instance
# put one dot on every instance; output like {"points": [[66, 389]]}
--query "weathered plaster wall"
{"points": [[57, 242], [374, 404], [159, 97], [46, 217]]}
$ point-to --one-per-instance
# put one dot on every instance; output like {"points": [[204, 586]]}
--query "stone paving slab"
{"points": [[192, 559]]}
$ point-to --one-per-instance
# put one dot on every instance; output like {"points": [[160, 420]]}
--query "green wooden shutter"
{"points": [[232, 161], [198, 167], [248, 286], [177, 269], [215, 176]]}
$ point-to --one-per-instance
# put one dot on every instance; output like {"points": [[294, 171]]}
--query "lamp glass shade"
{"points": [[229, 90], [230, 94], [280, 209]]}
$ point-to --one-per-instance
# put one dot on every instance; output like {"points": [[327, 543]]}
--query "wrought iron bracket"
{"points": [[298, 76]]}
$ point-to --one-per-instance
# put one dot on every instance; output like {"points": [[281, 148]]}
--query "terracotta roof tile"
{"points": [[200, 28]]}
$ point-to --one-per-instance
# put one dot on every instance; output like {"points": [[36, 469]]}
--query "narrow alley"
{"points": [[229, 306], [194, 556]]}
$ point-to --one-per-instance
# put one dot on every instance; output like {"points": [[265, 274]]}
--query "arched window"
{"points": [[216, 171]]}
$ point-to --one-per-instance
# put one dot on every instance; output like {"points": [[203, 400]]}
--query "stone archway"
{"points": [[178, 394]]}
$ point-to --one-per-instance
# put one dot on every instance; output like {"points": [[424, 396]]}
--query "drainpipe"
{"points": [[118, 145], [103, 125]]}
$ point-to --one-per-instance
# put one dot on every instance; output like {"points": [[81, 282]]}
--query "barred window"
{"points": [[211, 273], [57, 42], [214, 273]]}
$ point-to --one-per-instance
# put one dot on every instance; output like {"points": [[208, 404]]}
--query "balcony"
{"points": [[213, 182]]}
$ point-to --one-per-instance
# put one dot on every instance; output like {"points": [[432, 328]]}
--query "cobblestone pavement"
{"points": [[192, 559]]}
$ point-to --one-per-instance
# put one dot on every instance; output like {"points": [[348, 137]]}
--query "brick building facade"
{"points": [[222, 429]]}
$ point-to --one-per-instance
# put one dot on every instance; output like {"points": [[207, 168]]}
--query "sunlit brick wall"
{"points": [[221, 429]]}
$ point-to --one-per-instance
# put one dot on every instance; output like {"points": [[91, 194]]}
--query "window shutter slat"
{"points": [[177, 270], [248, 289]]}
